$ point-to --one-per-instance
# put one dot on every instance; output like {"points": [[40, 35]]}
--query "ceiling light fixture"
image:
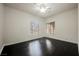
{"points": [[42, 7]]}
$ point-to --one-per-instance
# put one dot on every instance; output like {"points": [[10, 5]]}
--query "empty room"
{"points": [[38, 29]]}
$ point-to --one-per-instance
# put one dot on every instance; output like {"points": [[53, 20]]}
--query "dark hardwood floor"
{"points": [[41, 47]]}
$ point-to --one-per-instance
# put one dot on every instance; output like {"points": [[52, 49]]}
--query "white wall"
{"points": [[17, 26], [1, 27], [65, 26]]}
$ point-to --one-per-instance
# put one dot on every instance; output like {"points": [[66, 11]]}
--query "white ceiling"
{"points": [[55, 8]]}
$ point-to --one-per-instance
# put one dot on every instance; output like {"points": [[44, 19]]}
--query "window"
{"points": [[34, 28], [51, 27]]}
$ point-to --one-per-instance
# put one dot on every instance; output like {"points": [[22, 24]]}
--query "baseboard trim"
{"points": [[39, 38], [21, 41], [1, 49]]}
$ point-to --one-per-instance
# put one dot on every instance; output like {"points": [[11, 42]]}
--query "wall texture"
{"points": [[17, 26], [1, 27], [66, 26]]}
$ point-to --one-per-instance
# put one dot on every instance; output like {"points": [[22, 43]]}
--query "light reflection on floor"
{"points": [[49, 45], [35, 49]]}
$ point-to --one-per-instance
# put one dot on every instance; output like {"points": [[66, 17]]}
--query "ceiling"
{"points": [[54, 8]]}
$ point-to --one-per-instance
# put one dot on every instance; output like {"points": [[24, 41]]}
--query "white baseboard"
{"points": [[1, 48]]}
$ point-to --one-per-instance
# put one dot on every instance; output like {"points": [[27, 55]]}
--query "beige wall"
{"points": [[65, 26], [1, 27], [17, 26]]}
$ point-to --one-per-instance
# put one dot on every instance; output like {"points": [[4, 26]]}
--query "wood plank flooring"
{"points": [[41, 47]]}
